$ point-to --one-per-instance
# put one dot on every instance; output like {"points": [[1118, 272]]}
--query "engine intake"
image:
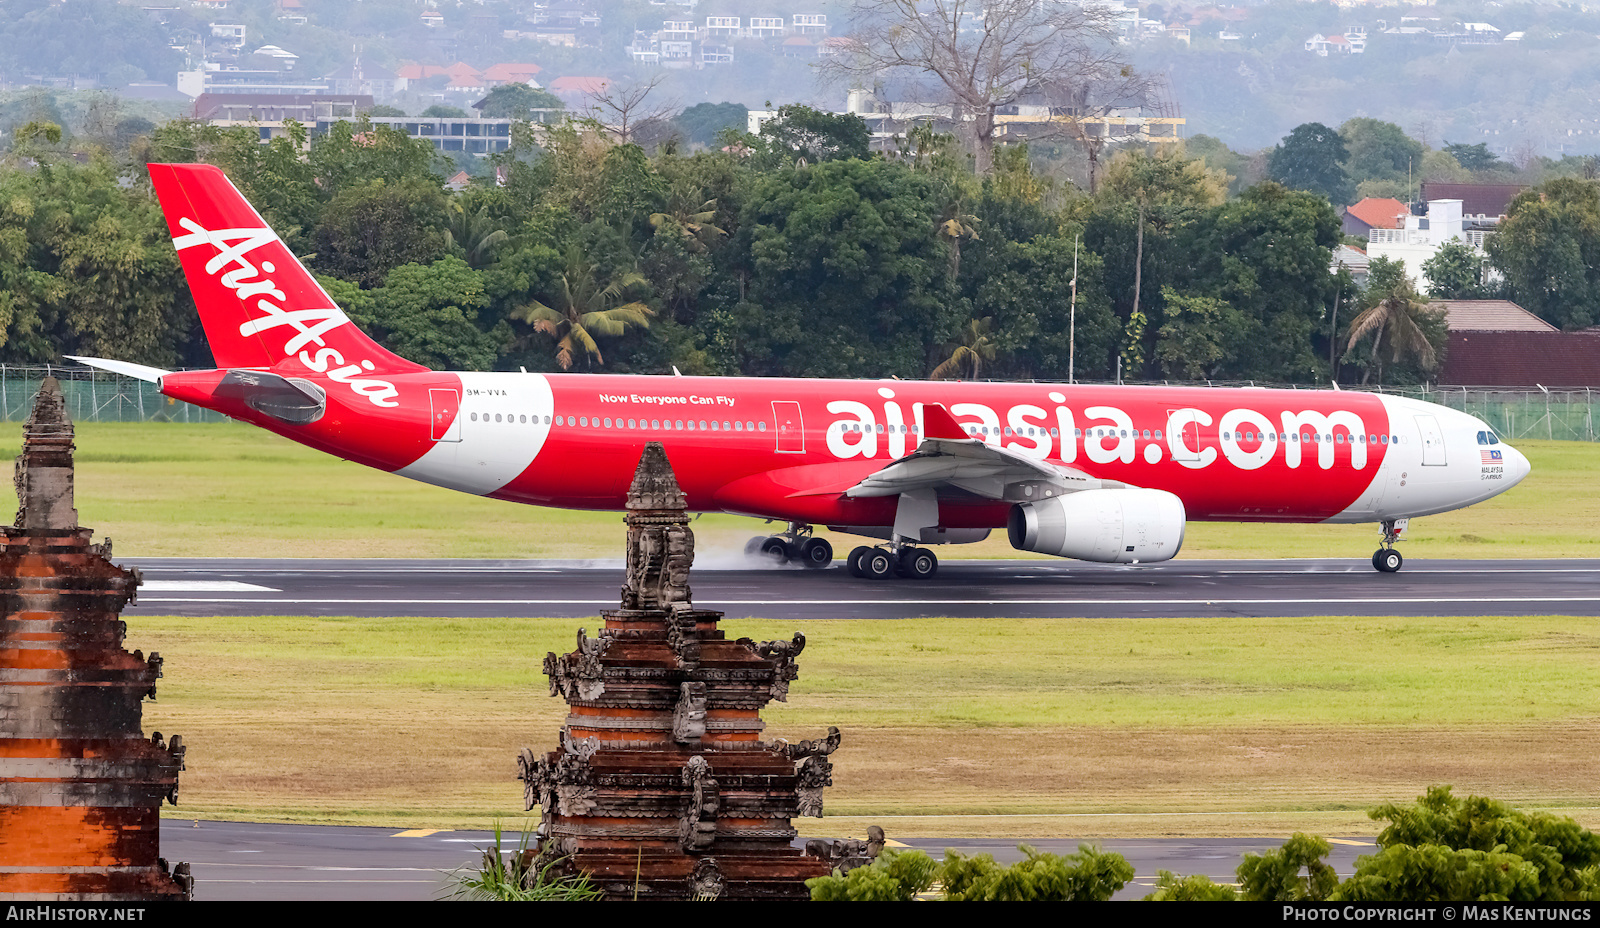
{"points": [[1110, 526]]}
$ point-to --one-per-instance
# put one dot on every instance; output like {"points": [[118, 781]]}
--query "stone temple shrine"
{"points": [[662, 787]]}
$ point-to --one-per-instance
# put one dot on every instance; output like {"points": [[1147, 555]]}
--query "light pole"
{"points": [[1072, 318]]}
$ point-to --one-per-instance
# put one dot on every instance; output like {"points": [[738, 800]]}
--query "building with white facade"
{"points": [[1422, 238]]}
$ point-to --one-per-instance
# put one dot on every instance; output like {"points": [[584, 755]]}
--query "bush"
{"points": [[1091, 875], [1198, 888], [896, 876]]}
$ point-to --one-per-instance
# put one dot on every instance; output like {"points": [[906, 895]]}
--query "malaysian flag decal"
{"points": [[1490, 457]]}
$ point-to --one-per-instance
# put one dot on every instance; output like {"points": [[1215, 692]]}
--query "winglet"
{"points": [[938, 423]]}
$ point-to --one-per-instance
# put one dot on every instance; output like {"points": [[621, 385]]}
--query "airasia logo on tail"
{"points": [[308, 325]]}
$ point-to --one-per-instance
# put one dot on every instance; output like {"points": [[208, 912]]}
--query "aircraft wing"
{"points": [[950, 459]]}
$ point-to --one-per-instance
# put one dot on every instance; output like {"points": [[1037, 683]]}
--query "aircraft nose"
{"points": [[1516, 464]]}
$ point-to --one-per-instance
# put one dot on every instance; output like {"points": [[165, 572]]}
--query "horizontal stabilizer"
{"points": [[125, 368]]}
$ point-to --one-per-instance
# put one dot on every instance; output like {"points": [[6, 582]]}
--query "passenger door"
{"points": [[791, 431]]}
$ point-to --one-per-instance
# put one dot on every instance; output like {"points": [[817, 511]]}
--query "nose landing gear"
{"points": [[1386, 558], [797, 544]]}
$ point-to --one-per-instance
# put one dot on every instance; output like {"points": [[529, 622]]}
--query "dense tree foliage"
{"points": [[1313, 157], [1548, 248]]}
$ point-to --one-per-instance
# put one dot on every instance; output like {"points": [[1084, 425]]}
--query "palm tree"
{"points": [[474, 233], [1391, 317], [689, 217], [585, 310], [975, 348]]}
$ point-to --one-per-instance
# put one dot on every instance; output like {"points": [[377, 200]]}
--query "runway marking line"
{"points": [[989, 601], [418, 832]]}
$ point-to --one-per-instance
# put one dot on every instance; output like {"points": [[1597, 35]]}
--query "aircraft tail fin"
{"points": [[259, 306]]}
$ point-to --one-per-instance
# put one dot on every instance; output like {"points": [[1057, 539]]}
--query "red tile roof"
{"points": [[1380, 213], [511, 72], [1522, 359]]}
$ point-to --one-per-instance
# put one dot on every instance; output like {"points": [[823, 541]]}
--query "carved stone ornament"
{"points": [[781, 654], [812, 776], [846, 854], [681, 636], [531, 770], [707, 883], [698, 827], [822, 746], [578, 675], [689, 718], [660, 544], [574, 785]]}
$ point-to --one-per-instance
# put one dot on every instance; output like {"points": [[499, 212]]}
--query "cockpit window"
{"points": [[1494, 439], [1483, 438]]}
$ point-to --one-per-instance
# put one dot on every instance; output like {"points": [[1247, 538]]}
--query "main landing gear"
{"points": [[797, 545], [1386, 558], [882, 562]]}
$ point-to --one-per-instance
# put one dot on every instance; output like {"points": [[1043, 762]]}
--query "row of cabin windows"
{"points": [[735, 426], [658, 424]]}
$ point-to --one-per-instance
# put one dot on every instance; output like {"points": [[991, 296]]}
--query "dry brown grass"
{"points": [[417, 722]]}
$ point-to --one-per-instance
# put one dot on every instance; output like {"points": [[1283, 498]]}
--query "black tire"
{"points": [[853, 564], [1376, 564], [775, 549], [877, 564], [753, 546], [816, 553], [918, 563], [1389, 561]]}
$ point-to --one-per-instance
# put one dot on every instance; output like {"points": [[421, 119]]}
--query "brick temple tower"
{"points": [[80, 785], [662, 787]]}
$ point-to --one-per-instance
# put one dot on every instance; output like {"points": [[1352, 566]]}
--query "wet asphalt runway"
{"points": [[988, 589], [235, 861]]}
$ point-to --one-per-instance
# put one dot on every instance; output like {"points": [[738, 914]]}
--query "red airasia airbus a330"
{"points": [[1100, 473]]}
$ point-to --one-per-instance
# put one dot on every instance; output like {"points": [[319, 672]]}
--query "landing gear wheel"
{"points": [[918, 563], [877, 564], [753, 546], [775, 549], [854, 562], [1388, 560], [816, 553]]}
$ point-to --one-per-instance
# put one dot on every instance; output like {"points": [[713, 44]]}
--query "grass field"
{"points": [[1075, 727], [234, 490]]}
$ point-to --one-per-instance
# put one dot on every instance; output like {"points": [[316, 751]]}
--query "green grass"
{"points": [[1240, 725], [233, 490]]}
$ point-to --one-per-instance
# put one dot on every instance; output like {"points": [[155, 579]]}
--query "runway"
{"points": [[239, 861], [996, 588]]}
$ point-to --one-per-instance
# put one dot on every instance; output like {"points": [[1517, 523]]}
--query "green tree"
{"points": [[1266, 254], [966, 361], [1475, 157], [1455, 272], [360, 153], [1312, 157], [87, 267], [274, 176], [701, 123], [1548, 249], [585, 310], [474, 235], [430, 314], [1380, 150], [1443, 848], [1199, 337], [845, 277], [799, 132], [1295, 872], [1395, 316], [367, 230], [1090, 875], [444, 111], [517, 101]]}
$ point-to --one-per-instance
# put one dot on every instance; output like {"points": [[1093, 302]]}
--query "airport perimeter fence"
{"points": [[98, 396]]}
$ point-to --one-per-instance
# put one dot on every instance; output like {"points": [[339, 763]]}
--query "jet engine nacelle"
{"points": [[1111, 526]]}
